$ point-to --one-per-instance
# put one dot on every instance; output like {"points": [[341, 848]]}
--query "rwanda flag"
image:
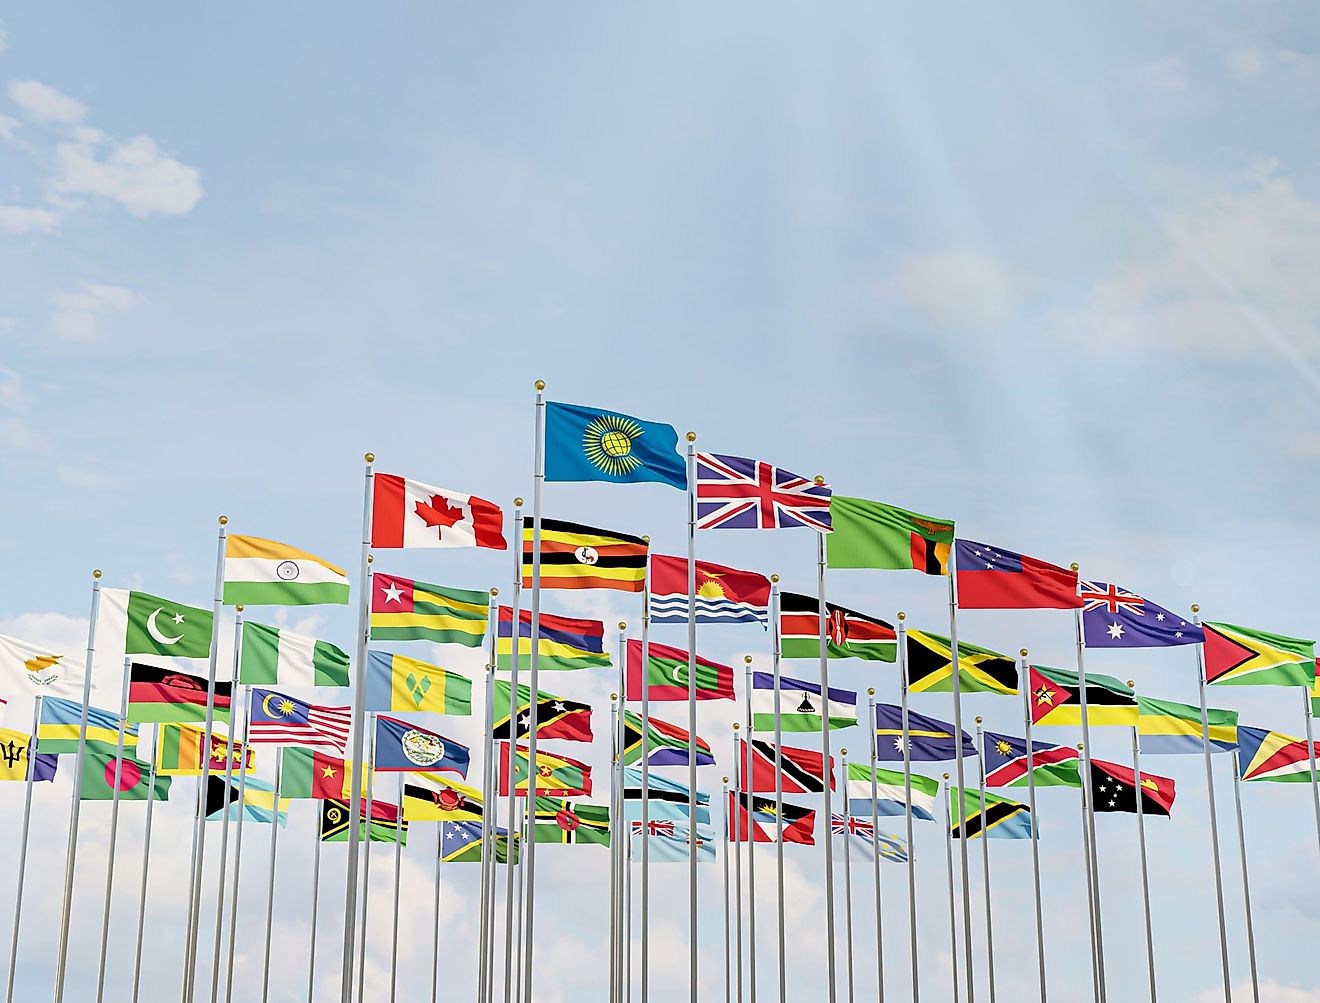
{"points": [[592, 444], [57, 731]]}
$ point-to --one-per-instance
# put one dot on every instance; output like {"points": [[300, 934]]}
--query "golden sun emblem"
{"points": [[1003, 748], [1045, 695], [711, 589], [608, 441]]}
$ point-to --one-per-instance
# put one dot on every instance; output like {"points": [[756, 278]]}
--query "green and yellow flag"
{"points": [[396, 682], [871, 534], [1240, 656], [980, 670]]}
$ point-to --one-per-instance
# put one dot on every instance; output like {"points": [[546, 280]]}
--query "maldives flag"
{"points": [[989, 578], [408, 513], [724, 595], [667, 674]]}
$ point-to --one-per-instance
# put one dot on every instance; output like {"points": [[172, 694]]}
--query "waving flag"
{"points": [[734, 492], [432, 797], [1056, 698], [1173, 728], [401, 745], [1269, 755], [574, 556], [980, 670], [848, 634], [164, 695], [1004, 819], [592, 444], [403, 609], [754, 820], [1006, 762], [858, 830], [1240, 656], [1115, 789], [408, 513], [558, 821], [870, 534], [930, 738], [556, 775], [277, 719], [265, 573], [804, 769], [800, 705], [274, 657], [1116, 618], [397, 682], [724, 595], [565, 643], [460, 843], [57, 731], [667, 674], [27, 668], [671, 844], [667, 799], [668, 743], [890, 793], [556, 717], [990, 578]]}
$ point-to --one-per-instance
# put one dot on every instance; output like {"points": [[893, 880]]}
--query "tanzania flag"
{"points": [[556, 821], [667, 674], [580, 557], [1170, 728], [265, 573], [57, 731], [178, 751], [1006, 762], [1004, 819], [870, 534], [592, 444], [668, 743], [564, 643], [554, 774], [308, 773], [556, 717], [1239, 656], [1269, 755], [274, 657], [754, 819], [432, 798], [406, 610], [386, 826], [250, 797], [460, 843], [1114, 788], [849, 634], [164, 695], [98, 780], [1056, 698], [800, 705], [980, 670], [16, 747], [397, 682], [890, 793], [803, 769]]}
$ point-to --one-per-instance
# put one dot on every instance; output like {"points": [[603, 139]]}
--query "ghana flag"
{"points": [[406, 610], [1240, 656], [1056, 698], [178, 751], [563, 643], [580, 557], [871, 534], [557, 821], [168, 696], [556, 717], [1004, 819], [554, 774], [849, 634], [980, 670]]}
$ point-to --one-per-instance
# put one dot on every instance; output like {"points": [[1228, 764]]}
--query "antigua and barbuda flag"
{"points": [[592, 444]]}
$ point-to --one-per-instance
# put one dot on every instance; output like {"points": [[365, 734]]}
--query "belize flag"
{"points": [[990, 578]]}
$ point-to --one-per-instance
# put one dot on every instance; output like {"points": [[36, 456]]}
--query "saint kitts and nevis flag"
{"points": [[557, 717], [1004, 818], [554, 774], [564, 643], [99, 776], [1056, 698], [1005, 762], [890, 793], [57, 729], [179, 751], [593, 444], [1169, 728], [1240, 656], [265, 573], [404, 609], [271, 656], [580, 557], [667, 674], [724, 595], [990, 578], [558, 821], [407, 514], [870, 534], [667, 743], [163, 695], [800, 705], [397, 682], [1269, 755], [386, 825], [980, 670], [803, 769], [848, 634]]}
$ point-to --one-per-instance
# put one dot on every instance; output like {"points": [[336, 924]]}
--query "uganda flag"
{"points": [[1240, 656], [849, 634], [386, 826], [580, 557], [178, 751], [870, 534], [168, 696], [1056, 698], [556, 717], [557, 821], [98, 780], [406, 610], [432, 798], [980, 670], [554, 774], [1004, 819], [1114, 788]]}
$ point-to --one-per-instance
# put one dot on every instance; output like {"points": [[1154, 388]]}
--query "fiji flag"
{"points": [[592, 444], [1116, 618]]}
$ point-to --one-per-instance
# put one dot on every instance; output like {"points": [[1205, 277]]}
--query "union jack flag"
{"points": [[1097, 594], [734, 492], [850, 825], [657, 827]]}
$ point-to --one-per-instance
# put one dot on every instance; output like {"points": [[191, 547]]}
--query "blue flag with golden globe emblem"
{"points": [[592, 444]]}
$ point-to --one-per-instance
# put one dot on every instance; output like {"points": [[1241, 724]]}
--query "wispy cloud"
{"points": [[77, 315], [44, 103]]}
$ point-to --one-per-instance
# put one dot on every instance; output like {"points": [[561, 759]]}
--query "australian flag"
{"points": [[1115, 618], [930, 738]]}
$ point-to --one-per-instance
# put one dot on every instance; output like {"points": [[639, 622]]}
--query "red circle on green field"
{"points": [[567, 820], [129, 775]]}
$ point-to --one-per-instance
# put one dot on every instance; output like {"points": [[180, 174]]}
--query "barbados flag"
{"points": [[592, 444], [60, 720]]}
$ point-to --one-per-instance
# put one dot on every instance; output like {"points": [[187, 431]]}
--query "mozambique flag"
{"points": [[386, 826], [563, 643], [98, 780], [1114, 788], [1269, 755], [667, 674], [580, 557], [848, 634], [1056, 698], [1240, 656], [16, 747], [460, 843], [309, 773], [668, 743], [1167, 727], [406, 610], [429, 797], [178, 751], [556, 717], [397, 682], [1004, 819], [980, 670], [166, 695], [57, 732], [556, 821], [249, 797], [870, 534], [554, 774]]}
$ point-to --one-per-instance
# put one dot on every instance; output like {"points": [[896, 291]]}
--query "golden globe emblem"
{"points": [[607, 442]]}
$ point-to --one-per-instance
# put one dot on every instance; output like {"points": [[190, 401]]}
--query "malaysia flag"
{"points": [[990, 578]]}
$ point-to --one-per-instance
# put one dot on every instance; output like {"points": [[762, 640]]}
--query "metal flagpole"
{"points": [[1210, 796], [1246, 884], [224, 824], [486, 910], [645, 946], [398, 874], [114, 832], [737, 875], [71, 853], [366, 863], [953, 909], [955, 674], [435, 939], [1090, 888], [875, 857], [1310, 752], [238, 847], [847, 868], [270, 884], [779, 788], [1035, 834], [522, 891], [985, 868], [1145, 879], [751, 847], [627, 908], [316, 889], [1093, 858], [692, 711], [614, 846], [821, 616], [515, 646], [146, 860], [617, 738], [907, 796], [355, 752], [22, 847], [729, 828]]}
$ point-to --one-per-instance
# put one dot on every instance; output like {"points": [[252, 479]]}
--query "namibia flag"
{"points": [[592, 444]]}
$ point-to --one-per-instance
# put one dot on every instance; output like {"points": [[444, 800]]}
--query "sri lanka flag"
{"points": [[990, 578]]}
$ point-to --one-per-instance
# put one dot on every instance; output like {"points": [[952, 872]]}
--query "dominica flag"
{"points": [[99, 777], [271, 656], [980, 670], [667, 674], [1115, 789], [592, 444], [1240, 656], [554, 774], [667, 743], [564, 643], [665, 799], [890, 792], [250, 797], [179, 752], [386, 826], [556, 717], [1270, 755], [1006, 765], [397, 682], [137, 623], [403, 609], [265, 573], [1056, 698], [848, 634], [1169, 728], [310, 773], [460, 843], [803, 769], [754, 819], [800, 705], [57, 731], [1004, 819], [430, 797], [871, 534], [581, 557], [558, 821], [165, 695], [17, 748]]}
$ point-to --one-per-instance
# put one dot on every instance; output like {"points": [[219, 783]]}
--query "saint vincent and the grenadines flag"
{"points": [[799, 704], [57, 731], [272, 656], [848, 634], [1056, 698], [403, 609], [1269, 755], [1170, 728], [556, 717], [400, 683], [574, 556], [17, 748], [667, 674], [871, 534], [593, 444], [890, 793], [554, 774], [1006, 764], [408, 513], [99, 775], [667, 743], [179, 751], [557, 821], [990, 578], [980, 670], [1240, 656], [165, 695], [564, 642], [1003, 818], [724, 595], [266, 573]]}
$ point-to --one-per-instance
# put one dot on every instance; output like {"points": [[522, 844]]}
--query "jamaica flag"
{"points": [[1056, 698], [557, 821], [1004, 819], [980, 670], [386, 826]]}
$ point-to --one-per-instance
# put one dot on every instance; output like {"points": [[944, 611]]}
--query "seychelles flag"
{"points": [[592, 444]]}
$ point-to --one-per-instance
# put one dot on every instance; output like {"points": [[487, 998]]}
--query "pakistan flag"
{"points": [[161, 631]]}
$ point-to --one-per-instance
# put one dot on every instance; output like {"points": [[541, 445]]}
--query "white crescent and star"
{"points": [[154, 630]]}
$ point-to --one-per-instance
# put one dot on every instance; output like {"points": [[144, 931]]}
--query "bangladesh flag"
{"points": [[558, 821], [870, 534], [98, 780], [137, 623], [848, 634], [166, 695], [308, 773], [667, 674], [271, 656], [1240, 656]]}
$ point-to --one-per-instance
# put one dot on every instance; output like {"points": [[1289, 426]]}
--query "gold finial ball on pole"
{"points": [[646, 539], [1132, 684], [843, 752], [371, 558], [239, 609], [224, 520], [692, 437], [736, 726], [1079, 747], [494, 592], [978, 718], [774, 579], [870, 691], [540, 385], [517, 503], [1023, 652], [614, 696], [1074, 565], [747, 659], [818, 479], [96, 573], [369, 457], [725, 781], [623, 624], [946, 776], [902, 615], [1196, 607]]}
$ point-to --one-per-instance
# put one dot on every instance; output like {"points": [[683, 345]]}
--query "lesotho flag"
{"points": [[592, 444]]}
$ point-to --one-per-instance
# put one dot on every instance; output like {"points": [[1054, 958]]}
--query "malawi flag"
{"points": [[554, 774], [848, 634], [1114, 788], [870, 534], [990, 578], [667, 674], [667, 744], [166, 695], [98, 780], [804, 770], [1240, 656]]}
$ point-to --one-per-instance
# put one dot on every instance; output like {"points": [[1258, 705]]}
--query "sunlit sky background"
{"points": [[1047, 271]]}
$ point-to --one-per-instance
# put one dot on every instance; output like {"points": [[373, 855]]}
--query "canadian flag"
{"points": [[408, 513]]}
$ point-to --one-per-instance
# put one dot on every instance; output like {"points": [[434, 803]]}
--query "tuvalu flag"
{"points": [[668, 743], [430, 797], [386, 825], [1114, 788], [724, 595], [980, 670], [870, 534], [17, 749], [556, 717], [564, 642], [408, 513], [803, 769], [574, 556], [404, 609], [57, 731], [667, 674], [1170, 728], [554, 774], [848, 634], [165, 695], [593, 444], [266, 573], [1003, 818], [1056, 698], [99, 775], [558, 821], [178, 751], [397, 682], [1240, 656]]}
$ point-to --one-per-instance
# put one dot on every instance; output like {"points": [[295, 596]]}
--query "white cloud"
{"points": [[44, 103], [77, 316], [13, 394], [21, 219], [138, 174], [1251, 65], [7, 126], [950, 289], [58, 631], [1247, 64], [1168, 74], [1270, 992]]}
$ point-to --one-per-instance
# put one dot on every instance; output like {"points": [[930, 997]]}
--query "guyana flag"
{"points": [[167, 695], [554, 774], [431, 797], [667, 744], [386, 826], [1056, 698], [871, 534], [849, 634], [98, 779], [980, 670], [178, 751], [557, 821], [1239, 656], [580, 557], [556, 717], [406, 610], [1004, 818]]}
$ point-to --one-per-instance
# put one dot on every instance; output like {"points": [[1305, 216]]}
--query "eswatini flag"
{"points": [[168, 696]]}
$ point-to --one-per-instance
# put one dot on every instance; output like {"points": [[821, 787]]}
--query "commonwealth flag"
{"points": [[870, 534], [580, 557], [558, 821], [1056, 698], [265, 573], [403, 609], [564, 643], [1167, 727], [57, 731], [1240, 656], [397, 682], [274, 657], [1004, 819], [592, 444], [980, 670]]}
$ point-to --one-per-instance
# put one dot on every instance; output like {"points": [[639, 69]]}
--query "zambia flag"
{"points": [[980, 670], [98, 780], [166, 695], [406, 610], [592, 444], [556, 717], [386, 826], [1004, 819], [849, 634], [1239, 656], [57, 731], [397, 682], [870, 534], [580, 557], [1056, 698], [564, 643], [556, 821], [178, 751], [554, 774]]}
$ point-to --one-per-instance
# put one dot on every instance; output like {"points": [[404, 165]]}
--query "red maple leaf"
{"points": [[439, 513]]}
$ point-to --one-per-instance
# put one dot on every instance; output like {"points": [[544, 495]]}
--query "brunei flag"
{"points": [[165, 695], [57, 731], [557, 821], [1169, 728], [397, 682], [556, 717], [563, 643], [554, 774], [1240, 656], [403, 609], [580, 557], [980, 670], [848, 634], [1269, 755], [432, 798], [1003, 818], [1056, 698]]}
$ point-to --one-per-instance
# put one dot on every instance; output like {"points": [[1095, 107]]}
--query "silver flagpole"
{"points": [[366, 863], [238, 846], [985, 868], [195, 878], [486, 910], [729, 828], [618, 738], [114, 832], [398, 875], [529, 847], [515, 648], [907, 796], [1310, 752], [847, 869], [875, 856], [751, 847], [615, 911], [627, 926], [522, 891], [1246, 884], [953, 909], [821, 616], [692, 711], [146, 860], [1023, 675], [270, 882], [779, 789], [355, 752], [1090, 887], [645, 905], [1145, 879], [955, 674], [1093, 857], [71, 853], [22, 848], [1210, 796], [224, 824], [435, 939], [316, 889], [737, 875]]}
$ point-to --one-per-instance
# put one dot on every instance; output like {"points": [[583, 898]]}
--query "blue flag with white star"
{"points": [[931, 739], [592, 444], [1116, 618]]}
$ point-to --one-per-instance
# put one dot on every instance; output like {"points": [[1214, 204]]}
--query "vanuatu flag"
{"points": [[557, 821], [164, 695], [668, 743], [386, 826], [1004, 819], [1269, 755], [1056, 698], [580, 557], [406, 610], [554, 774], [432, 798], [309, 773], [980, 670], [178, 751], [849, 634], [870, 534], [564, 643], [555, 717], [397, 682], [667, 674], [98, 779], [1167, 727], [57, 732], [1239, 656], [592, 444]]}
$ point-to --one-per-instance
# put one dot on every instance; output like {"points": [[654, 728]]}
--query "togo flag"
{"points": [[272, 656], [138, 623], [265, 573]]}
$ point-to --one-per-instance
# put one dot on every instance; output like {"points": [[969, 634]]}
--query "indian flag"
{"points": [[270, 655], [265, 573]]}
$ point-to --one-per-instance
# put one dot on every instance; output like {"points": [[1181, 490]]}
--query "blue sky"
{"points": [[1050, 275]]}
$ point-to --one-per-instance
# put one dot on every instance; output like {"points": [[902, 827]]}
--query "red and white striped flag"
{"points": [[278, 719]]}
